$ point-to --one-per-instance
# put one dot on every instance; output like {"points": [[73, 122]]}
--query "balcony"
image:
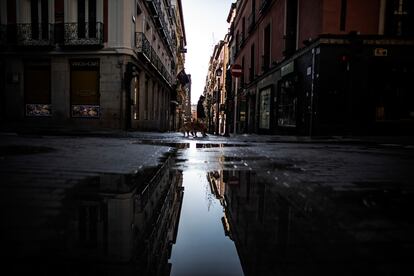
{"points": [[144, 47], [34, 35], [83, 34], [153, 6]]}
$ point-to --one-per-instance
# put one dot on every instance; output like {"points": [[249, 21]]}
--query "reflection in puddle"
{"points": [[203, 246], [111, 224], [269, 221], [280, 230], [222, 145]]}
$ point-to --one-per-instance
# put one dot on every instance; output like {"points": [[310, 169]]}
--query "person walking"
{"points": [[201, 115]]}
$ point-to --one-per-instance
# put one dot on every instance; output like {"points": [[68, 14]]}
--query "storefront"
{"points": [[84, 89], [288, 98], [265, 109], [37, 92]]}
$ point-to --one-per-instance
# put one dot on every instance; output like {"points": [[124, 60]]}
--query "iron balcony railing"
{"points": [[83, 34], [144, 47], [28, 34], [161, 23], [153, 5]]}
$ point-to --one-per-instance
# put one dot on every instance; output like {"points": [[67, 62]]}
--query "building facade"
{"points": [[215, 89], [323, 66], [90, 63]]}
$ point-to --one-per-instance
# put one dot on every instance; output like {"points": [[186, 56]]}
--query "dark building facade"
{"points": [[323, 66]]}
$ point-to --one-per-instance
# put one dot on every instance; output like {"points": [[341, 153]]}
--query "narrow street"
{"points": [[162, 204]]}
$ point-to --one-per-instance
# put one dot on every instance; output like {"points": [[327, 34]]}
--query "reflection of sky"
{"points": [[205, 24], [201, 247]]}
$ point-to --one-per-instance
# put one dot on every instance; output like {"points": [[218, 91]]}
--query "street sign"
{"points": [[236, 70]]}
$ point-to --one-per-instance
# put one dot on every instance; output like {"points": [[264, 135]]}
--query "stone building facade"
{"points": [[90, 63]]}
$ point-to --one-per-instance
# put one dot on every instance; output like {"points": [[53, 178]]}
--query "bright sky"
{"points": [[205, 25]]}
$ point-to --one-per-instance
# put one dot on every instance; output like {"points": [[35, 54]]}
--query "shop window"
{"points": [[136, 97], [393, 91], [399, 18], [264, 101], [287, 104], [37, 92], [84, 94]]}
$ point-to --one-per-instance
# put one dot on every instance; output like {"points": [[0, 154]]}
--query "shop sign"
{"points": [[85, 111], [380, 52], [38, 110], [288, 68], [85, 64]]}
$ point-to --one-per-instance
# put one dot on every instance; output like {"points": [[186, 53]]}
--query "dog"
{"points": [[194, 127]]}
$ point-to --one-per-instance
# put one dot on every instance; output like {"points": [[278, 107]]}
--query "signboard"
{"points": [[380, 52], [287, 69], [85, 111], [38, 110], [236, 70]]}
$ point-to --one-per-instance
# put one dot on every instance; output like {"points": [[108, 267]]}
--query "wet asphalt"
{"points": [[252, 205]]}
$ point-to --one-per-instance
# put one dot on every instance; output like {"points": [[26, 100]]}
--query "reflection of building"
{"points": [[216, 184], [91, 63], [259, 222], [343, 68], [284, 225], [120, 219]]}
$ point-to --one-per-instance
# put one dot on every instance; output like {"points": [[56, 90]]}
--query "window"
{"points": [[92, 17], [39, 12], [84, 92], [136, 97], [266, 48], [264, 101], [342, 24], [399, 17], [291, 27], [37, 92], [87, 21], [252, 63], [81, 19], [287, 104]]}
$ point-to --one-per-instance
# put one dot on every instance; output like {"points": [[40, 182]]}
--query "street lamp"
{"points": [[218, 75]]}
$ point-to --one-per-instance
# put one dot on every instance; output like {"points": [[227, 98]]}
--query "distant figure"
{"points": [[201, 115], [199, 125]]}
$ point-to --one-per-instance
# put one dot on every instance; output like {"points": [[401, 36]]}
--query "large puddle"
{"points": [[219, 211]]}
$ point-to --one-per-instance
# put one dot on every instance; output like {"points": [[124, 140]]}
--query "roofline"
{"points": [[180, 7]]}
